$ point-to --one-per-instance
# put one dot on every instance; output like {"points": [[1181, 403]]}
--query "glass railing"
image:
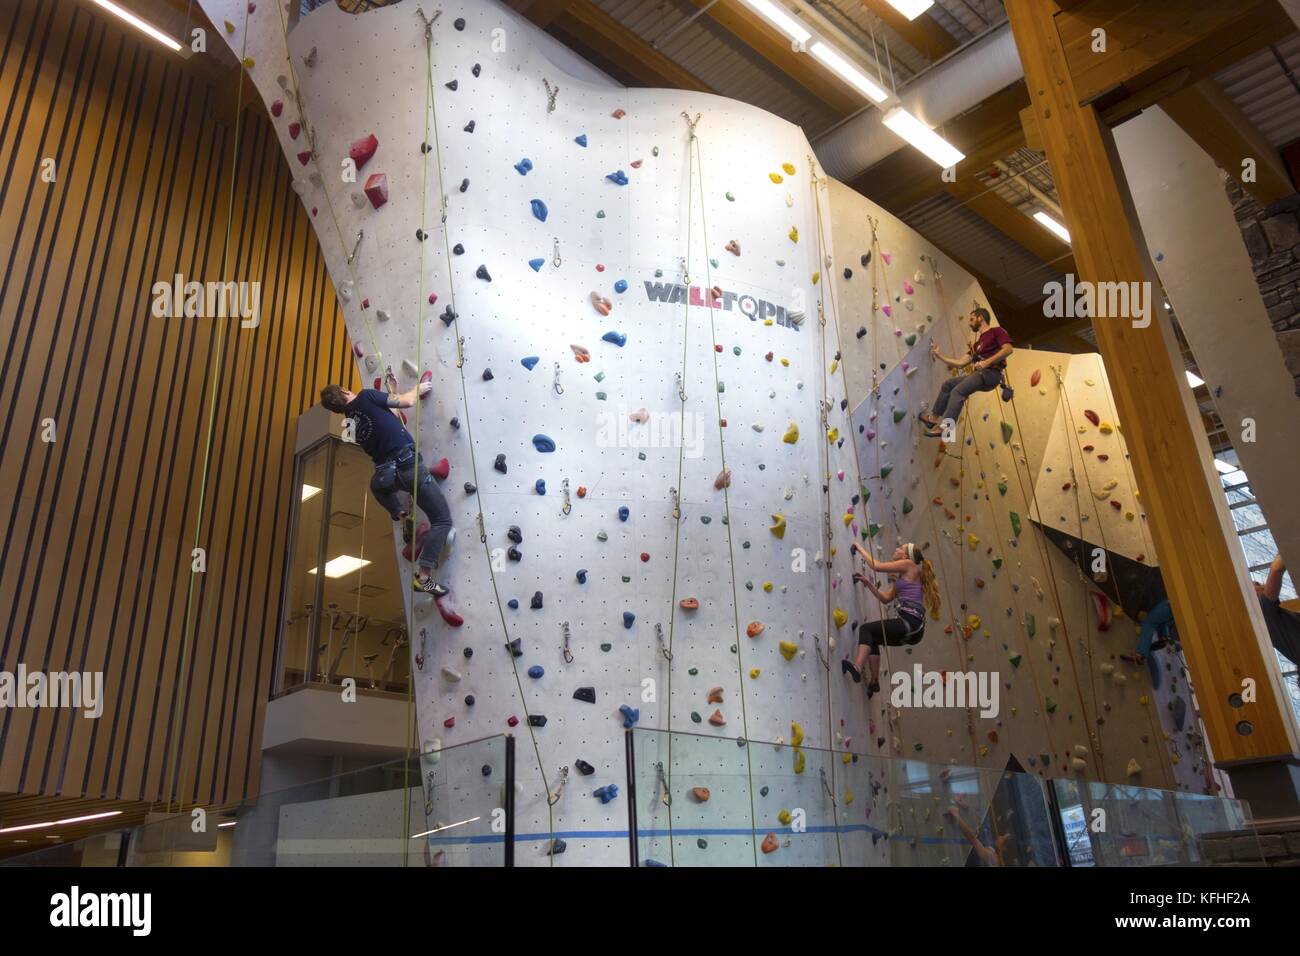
{"points": [[697, 800], [447, 807], [1106, 824]]}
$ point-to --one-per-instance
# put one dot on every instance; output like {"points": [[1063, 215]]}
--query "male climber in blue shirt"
{"points": [[398, 467]]}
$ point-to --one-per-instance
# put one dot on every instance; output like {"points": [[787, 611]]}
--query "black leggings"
{"points": [[893, 632]]}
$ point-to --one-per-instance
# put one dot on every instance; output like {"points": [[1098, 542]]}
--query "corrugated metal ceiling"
{"points": [[1264, 86]]}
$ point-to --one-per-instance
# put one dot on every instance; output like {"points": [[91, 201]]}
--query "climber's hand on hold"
{"points": [[425, 388], [859, 578]]}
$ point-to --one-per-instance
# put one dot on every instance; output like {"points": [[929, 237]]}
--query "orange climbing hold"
{"points": [[701, 794], [582, 491], [717, 720], [581, 354], [600, 303], [715, 695], [690, 604], [1035, 378], [755, 628], [770, 843]]}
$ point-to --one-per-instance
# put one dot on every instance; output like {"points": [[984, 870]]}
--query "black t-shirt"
{"points": [[375, 428], [1283, 628]]}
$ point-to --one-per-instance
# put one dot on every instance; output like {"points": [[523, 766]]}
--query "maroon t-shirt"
{"points": [[992, 339]]}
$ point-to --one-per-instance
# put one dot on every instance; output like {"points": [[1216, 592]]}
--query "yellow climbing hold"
{"points": [[784, 817], [1105, 428], [816, 277], [778, 525], [796, 733], [230, 27], [1129, 516], [249, 62], [793, 233], [767, 586], [848, 518], [848, 797], [973, 622], [1110, 484], [791, 434], [973, 541], [788, 650], [789, 168], [833, 435], [784, 361], [846, 758], [835, 363], [1133, 768], [776, 177], [841, 617], [799, 760], [753, 674]]}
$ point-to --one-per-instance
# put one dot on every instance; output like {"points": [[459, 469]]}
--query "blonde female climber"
{"points": [[913, 590]]}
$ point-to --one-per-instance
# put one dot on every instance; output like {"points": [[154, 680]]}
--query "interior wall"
{"points": [[95, 565]]}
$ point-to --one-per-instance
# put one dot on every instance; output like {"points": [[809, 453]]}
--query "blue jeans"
{"points": [[400, 473], [1158, 620], [955, 391]]}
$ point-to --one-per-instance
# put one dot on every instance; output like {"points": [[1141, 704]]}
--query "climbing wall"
{"points": [[640, 310]]}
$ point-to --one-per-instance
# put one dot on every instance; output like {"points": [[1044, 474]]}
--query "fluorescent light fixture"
{"points": [[1224, 468], [223, 825], [1052, 226], [309, 491], [923, 138], [139, 24], [849, 73], [59, 823], [1193, 379], [911, 8], [342, 566], [779, 18]]}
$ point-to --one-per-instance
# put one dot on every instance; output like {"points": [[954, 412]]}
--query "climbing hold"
{"points": [[582, 575], [701, 794], [770, 842], [1002, 488], [623, 513], [524, 166], [793, 234], [618, 114], [791, 434], [788, 649], [899, 415], [586, 694], [733, 247], [469, 127], [973, 540], [840, 616], [376, 188], [715, 695], [362, 150], [440, 469], [529, 362], [776, 177], [628, 619], [754, 629], [581, 140], [500, 463], [1133, 768], [730, 197], [1015, 660], [515, 535], [536, 603], [1007, 431], [459, 23], [1101, 604], [540, 484], [620, 286], [907, 506], [539, 209], [717, 720], [582, 491], [583, 767], [1049, 705], [487, 375], [458, 249], [482, 273], [630, 715], [513, 604], [617, 338], [476, 69], [617, 177], [1015, 523], [543, 443], [606, 793], [536, 671], [1035, 378], [778, 525], [1092, 416]]}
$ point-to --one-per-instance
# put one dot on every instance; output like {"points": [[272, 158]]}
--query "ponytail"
{"points": [[930, 588]]}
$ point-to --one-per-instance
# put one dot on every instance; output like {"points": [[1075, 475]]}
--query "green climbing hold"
{"points": [[600, 214], [654, 151], [695, 717], [735, 350], [918, 747], [600, 376], [866, 495], [997, 563], [730, 198], [1007, 431], [600, 396], [1015, 523], [873, 529], [1049, 704], [1045, 760], [910, 340], [1002, 487], [907, 506], [722, 387], [1015, 660], [627, 579], [693, 671], [606, 647], [885, 470], [1031, 626], [899, 415]]}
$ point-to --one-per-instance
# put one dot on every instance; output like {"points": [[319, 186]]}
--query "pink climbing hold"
{"points": [[433, 297], [636, 164], [1092, 416], [294, 130], [1101, 604], [362, 149], [304, 157], [450, 616], [1035, 378], [357, 350], [600, 267], [887, 256], [441, 469], [907, 288], [888, 310], [377, 189], [277, 108], [618, 114]]}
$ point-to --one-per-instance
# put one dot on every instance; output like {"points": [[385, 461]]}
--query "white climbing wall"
{"points": [[760, 361]]}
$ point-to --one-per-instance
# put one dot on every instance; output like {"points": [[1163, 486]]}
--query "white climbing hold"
{"points": [[451, 675]]}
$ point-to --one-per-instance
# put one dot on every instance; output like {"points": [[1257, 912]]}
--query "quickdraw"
{"points": [[554, 798], [568, 655], [568, 504]]}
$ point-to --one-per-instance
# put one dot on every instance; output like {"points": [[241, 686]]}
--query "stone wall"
{"points": [[1276, 843], [1272, 237]]}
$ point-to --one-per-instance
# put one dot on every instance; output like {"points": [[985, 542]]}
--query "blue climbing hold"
{"points": [[581, 140], [653, 863], [524, 166], [618, 177], [536, 264], [539, 209], [623, 513], [513, 604], [618, 338], [529, 361], [543, 443], [630, 715], [540, 486], [628, 620], [606, 793], [620, 286], [582, 575], [536, 671]]}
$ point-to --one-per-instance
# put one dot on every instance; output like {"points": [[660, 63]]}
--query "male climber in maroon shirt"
{"points": [[988, 353]]}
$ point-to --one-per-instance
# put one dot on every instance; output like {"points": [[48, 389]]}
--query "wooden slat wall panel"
{"points": [[95, 543]]}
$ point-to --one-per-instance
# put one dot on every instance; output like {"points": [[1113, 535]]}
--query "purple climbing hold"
{"points": [[529, 362], [618, 177], [543, 443], [478, 68], [866, 257], [469, 127], [617, 338], [454, 85], [539, 210], [524, 166]]}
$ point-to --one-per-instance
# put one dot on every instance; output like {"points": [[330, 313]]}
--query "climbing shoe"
{"points": [[847, 667], [428, 586], [1133, 658], [873, 689]]}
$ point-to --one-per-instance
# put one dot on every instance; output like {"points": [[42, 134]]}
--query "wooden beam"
{"points": [[1219, 620], [1219, 127], [607, 39], [924, 34], [1148, 39]]}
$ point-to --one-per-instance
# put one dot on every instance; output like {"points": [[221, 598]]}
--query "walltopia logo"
{"points": [[945, 689], [1098, 300], [74, 909], [81, 691], [211, 300], [758, 310]]}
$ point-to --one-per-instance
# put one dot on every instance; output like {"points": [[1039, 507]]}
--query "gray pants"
{"points": [[955, 391], [401, 473]]}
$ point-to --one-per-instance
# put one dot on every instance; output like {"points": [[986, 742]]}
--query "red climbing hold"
{"points": [[433, 297], [1092, 416], [449, 722], [1101, 604], [379, 384], [512, 720], [1116, 505], [304, 157], [768, 356], [377, 189], [357, 350], [294, 130], [1087, 448], [618, 114], [441, 470], [362, 149], [448, 614], [645, 556], [1035, 378], [277, 108], [365, 303], [582, 491], [717, 348]]}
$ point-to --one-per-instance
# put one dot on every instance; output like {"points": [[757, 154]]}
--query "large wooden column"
{"points": [[1218, 616]]}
